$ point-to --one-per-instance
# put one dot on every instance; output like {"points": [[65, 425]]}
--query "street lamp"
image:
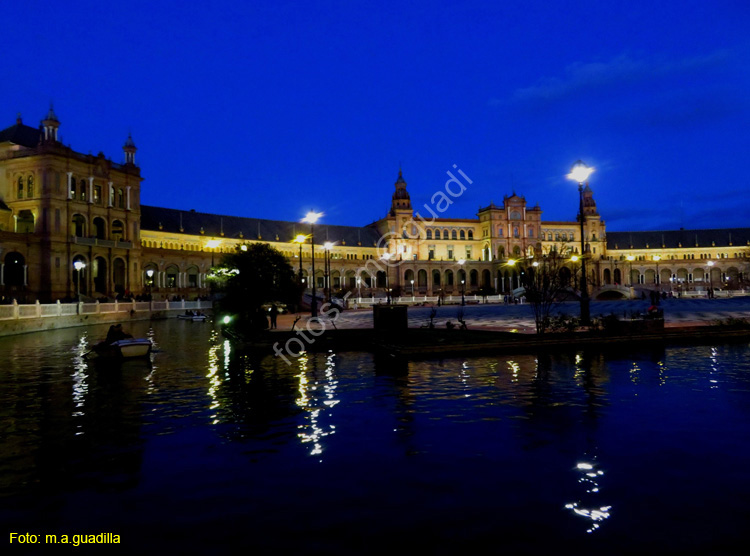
{"points": [[311, 218], [657, 258], [327, 266], [150, 276], [359, 289], [412, 290], [79, 266], [512, 263], [386, 257], [462, 273], [710, 279], [580, 173], [630, 259], [301, 238], [574, 259]]}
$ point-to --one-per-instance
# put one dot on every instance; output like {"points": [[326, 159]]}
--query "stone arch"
{"points": [[422, 278], [13, 270], [436, 278], [449, 278], [119, 275], [170, 276], [99, 273], [473, 277], [100, 228], [486, 279], [79, 225]]}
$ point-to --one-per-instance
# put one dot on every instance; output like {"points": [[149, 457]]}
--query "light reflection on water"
{"points": [[456, 450]]}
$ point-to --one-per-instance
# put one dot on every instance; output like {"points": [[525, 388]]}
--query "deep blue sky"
{"points": [[268, 109]]}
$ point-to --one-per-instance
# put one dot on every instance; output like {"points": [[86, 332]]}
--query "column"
{"points": [[127, 198], [111, 194], [25, 275], [2, 274], [91, 189]]}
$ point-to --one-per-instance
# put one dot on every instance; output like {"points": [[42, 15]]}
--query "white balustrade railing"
{"points": [[45, 310]]}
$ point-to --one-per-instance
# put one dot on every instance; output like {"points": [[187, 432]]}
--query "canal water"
{"points": [[207, 450]]}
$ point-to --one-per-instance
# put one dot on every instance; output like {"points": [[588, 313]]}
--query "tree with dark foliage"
{"points": [[253, 275]]}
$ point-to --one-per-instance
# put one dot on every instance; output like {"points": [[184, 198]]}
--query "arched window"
{"points": [[79, 225], [82, 190], [437, 234], [171, 278], [72, 187], [422, 278], [20, 188], [515, 231], [435, 278], [515, 215], [454, 234], [463, 234], [118, 275], [446, 234], [499, 231], [120, 198], [531, 232], [429, 234], [471, 234], [30, 187], [118, 230], [100, 228]]}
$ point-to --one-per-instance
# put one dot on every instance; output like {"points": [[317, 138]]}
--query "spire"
{"points": [[129, 148], [400, 200], [50, 123]]}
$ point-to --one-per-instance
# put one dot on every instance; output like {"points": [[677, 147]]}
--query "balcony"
{"points": [[115, 244]]}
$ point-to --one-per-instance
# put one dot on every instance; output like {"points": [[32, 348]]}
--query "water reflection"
{"points": [[317, 398], [589, 505]]}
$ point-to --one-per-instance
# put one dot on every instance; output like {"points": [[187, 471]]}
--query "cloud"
{"points": [[620, 70]]}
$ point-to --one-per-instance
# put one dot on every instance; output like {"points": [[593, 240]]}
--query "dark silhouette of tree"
{"points": [[545, 286], [254, 275]]}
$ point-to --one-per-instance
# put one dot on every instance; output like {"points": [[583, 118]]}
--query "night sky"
{"points": [[270, 109]]}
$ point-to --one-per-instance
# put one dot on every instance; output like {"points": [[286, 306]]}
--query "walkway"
{"points": [[677, 312]]}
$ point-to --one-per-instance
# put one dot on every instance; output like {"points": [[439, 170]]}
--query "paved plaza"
{"points": [[677, 312]]}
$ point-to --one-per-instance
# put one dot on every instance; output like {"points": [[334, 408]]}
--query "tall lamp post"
{"points": [[327, 266], [150, 276], [580, 173], [311, 218], [79, 266], [657, 258], [462, 274], [710, 292], [359, 289], [630, 259], [385, 257], [301, 239], [574, 259], [412, 290]]}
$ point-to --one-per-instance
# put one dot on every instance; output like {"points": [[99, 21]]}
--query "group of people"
{"points": [[116, 333]]}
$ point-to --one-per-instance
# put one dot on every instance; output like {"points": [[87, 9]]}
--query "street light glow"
{"points": [[79, 265], [574, 258], [213, 243], [328, 245], [631, 258], [312, 217], [580, 172], [301, 238]]}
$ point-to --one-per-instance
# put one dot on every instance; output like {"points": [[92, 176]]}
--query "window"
{"points": [[98, 194], [30, 187], [471, 234], [72, 186], [531, 232], [20, 188], [120, 199], [463, 234], [454, 234], [431, 251], [499, 231], [468, 252], [437, 234], [515, 231], [429, 234], [450, 252], [82, 190]]}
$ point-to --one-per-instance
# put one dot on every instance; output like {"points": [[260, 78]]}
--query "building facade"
{"points": [[72, 225]]}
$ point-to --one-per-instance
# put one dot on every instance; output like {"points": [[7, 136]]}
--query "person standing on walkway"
{"points": [[274, 313]]}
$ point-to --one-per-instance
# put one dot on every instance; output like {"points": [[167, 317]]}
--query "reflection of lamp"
{"points": [[311, 218], [79, 266], [580, 173]]}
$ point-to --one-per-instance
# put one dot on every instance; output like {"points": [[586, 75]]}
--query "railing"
{"points": [[102, 242], [15, 311]]}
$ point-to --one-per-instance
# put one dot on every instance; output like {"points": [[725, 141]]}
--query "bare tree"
{"points": [[545, 286]]}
